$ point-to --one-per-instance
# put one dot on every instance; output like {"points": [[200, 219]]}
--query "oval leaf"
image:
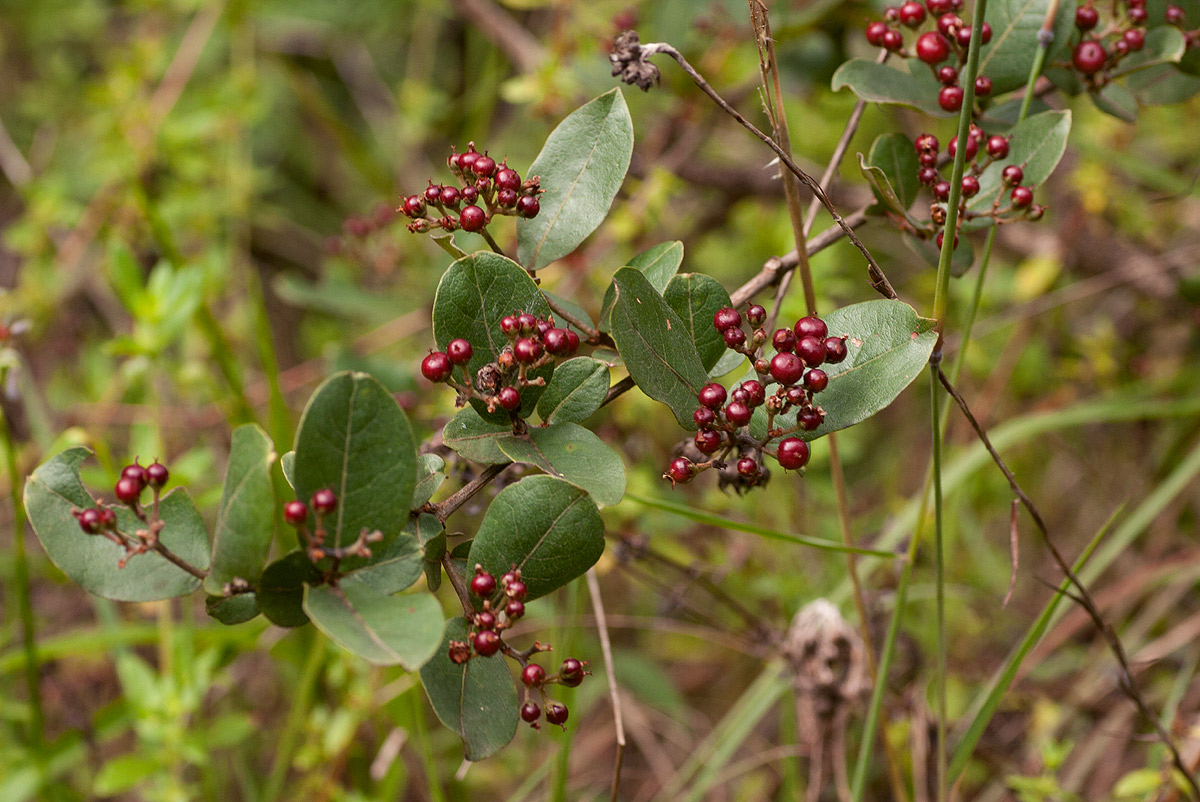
{"points": [[431, 472], [581, 166], [233, 610], [245, 519], [1015, 24], [696, 297], [656, 346], [1036, 145], [474, 438], [576, 391], [477, 699], [384, 630], [891, 167], [888, 346], [471, 299], [355, 440], [548, 528], [658, 263], [55, 491], [281, 589], [431, 535], [574, 454], [1117, 100], [880, 83], [393, 568]]}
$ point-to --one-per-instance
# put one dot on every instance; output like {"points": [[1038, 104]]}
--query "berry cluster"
{"points": [[796, 372], [981, 151], [486, 189], [533, 342], [1102, 47], [133, 482], [949, 39], [485, 639], [324, 503]]}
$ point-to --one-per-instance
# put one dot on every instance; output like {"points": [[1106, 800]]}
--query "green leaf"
{"points": [[392, 568], [548, 528], [888, 346], [1117, 100], [727, 364], [1015, 25], [880, 83], [431, 536], [1036, 145], [1164, 45], [472, 298], [477, 700], [576, 391], [281, 589], [656, 346], [891, 167], [696, 297], [245, 518], [1163, 84], [961, 258], [232, 610], [658, 263], [355, 440], [125, 275], [581, 166], [574, 454], [384, 630], [474, 438], [124, 773], [55, 491], [287, 463], [431, 472]]}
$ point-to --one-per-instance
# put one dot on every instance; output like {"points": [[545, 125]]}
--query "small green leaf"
{"points": [[474, 438], [384, 630], [245, 518], [888, 347], [477, 700], [287, 463], [1015, 25], [1117, 100], [574, 454], [232, 610], [474, 295], [891, 167], [355, 440], [122, 774], [880, 83], [431, 536], [281, 589], [656, 346], [696, 297], [576, 391], [581, 166], [548, 528], [1036, 145], [431, 472], [658, 263], [55, 491]]}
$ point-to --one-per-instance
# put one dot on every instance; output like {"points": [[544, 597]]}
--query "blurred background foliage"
{"points": [[196, 226]]}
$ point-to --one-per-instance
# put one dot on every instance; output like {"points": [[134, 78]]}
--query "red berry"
{"points": [[970, 186], [472, 218], [530, 712], [755, 315], [469, 194], [507, 198], [450, 196], [1089, 57], [726, 318], [1135, 38], [939, 6], [811, 349], [704, 417], [912, 14], [997, 147], [528, 206], [941, 190], [681, 470], [507, 178], [433, 193], [738, 413], [556, 341], [571, 672], [949, 24], [572, 342], [707, 441], [459, 351], [928, 159], [527, 322], [811, 327], [734, 338], [414, 206], [892, 40], [875, 32], [533, 675], [972, 147], [486, 643], [459, 652], [796, 396], [947, 75], [157, 474], [89, 520], [932, 47], [324, 501], [1021, 197], [950, 98], [514, 609], [128, 490], [983, 86], [1012, 174], [816, 380], [1175, 15], [556, 713], [483, 584], [926, 143], [467, 160], [809, 418], [985, 33], [793, 453], [941, 236], [295, 513], [436, 367], [527, 350], [712, 396], [137, 473], [927, 175], [485, 620], [509, 325], [1086, 17], [484, 166], [747, 466], [784, 340], [509, 399], [1138, 14], [515, 589], [756, 394], [786, 368], [835, 350]]}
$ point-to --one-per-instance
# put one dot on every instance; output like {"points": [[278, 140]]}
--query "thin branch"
{"points": [[1126, 681], [445, 509], [491, 241], [606, 650], [179, 561], [618, 389], [457, 582], [594, 336]]}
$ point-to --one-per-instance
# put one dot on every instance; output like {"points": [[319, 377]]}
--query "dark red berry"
{"points": [[470, 194], [811, 349], [793, 453], [530, 712], [892, 40], [483, 584], [450, 196], [835, 350], [786, 368], [556, 713], [486, 643], [932, 47], [572, 342], [514, 609], [507, 198], [926, 143], [509, 325], [755, 315], [89, 520], [809, 418], [712, 396], [433, 193], [1021, 197], [985, 33], [1175, 15], [756, 394], [681, 470], [324, 501], [949, 24], [509, 399], [747, 466], [811, 327], [1086, 17], [707, 441], [556, 341], [571, 672], [436, 367], [459, 351], [515, 589], [528, 206], [950, 98], [816, 380], [927, 175], [704, 417], [414, 206], [1089, 57], [507, 178], [157, 474], [939, 6], [527, 350], [484, 166], [1012, 174], [875, 32], [1135, 38], [734, 338], [467, 160], [295, 513], [454, 160], [970, 186], [527, 322], [983, 86], [784, 340], [928, 159], [912, 14], [997, 147], [726, 318], [472, 218], [795, 395], [972, 147], [128, 490], [947, 75], [485, 620], [941, 236], [738, 413], [1138, 14], [137, 473], [533, 675], [941, 190]]}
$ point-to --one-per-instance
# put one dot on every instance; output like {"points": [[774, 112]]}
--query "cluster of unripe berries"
{"points": [[981, 151], [135, 478], [794, 370], [1100, 48], [487, 188], [533, 342], [949, 39]]}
